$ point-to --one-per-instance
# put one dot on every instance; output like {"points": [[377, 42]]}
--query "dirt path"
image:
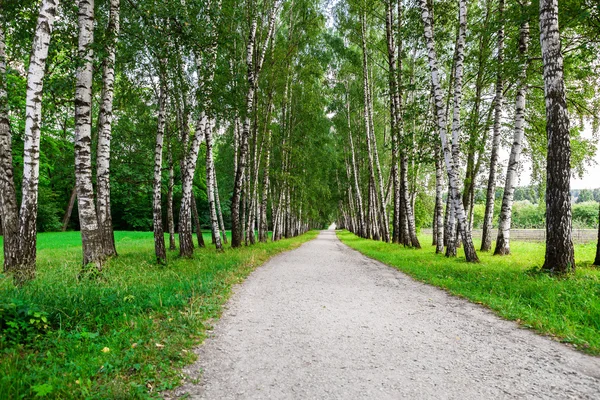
{"points": [[325, 322]]}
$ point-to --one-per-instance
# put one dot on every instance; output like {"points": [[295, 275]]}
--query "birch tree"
{"points": [[20, 252], [253, 72], [560, 257], [210, 186], [8, 200], [91, 235], [105, 133], [469, 249], [159, 237], [486, 239], [504, 220]]}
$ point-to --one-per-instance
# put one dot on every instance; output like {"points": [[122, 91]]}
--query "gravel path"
{"points": [[325, 322]]}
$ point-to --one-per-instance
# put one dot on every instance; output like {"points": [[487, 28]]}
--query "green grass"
{"points": [[567, 309], [127, 333]]}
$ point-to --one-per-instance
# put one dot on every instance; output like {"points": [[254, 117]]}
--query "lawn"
{"points": [[567, 309], [125, 334]]}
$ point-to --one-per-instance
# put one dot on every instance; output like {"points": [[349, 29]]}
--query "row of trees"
{"points": [[238, 85], [257, 116], [457, 82]]}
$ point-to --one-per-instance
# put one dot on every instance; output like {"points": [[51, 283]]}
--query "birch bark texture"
{"points": [[210, 186], [504, 221], [253, 72], [159, 237], [486, 239], [560, 257], [91, 235], [24, 257], [470, 253], [105, 120], [8, 199]]}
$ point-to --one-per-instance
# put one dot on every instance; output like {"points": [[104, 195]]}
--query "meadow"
{"points": [[123, 334]]}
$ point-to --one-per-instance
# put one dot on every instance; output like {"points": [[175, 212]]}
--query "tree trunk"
{"points": [[171, 186], [560, 257], [69, 210], [362, 229], [104, 135], [486, 239], [8, 198], [252, 77], [439, 202], [205, 83], [199, 235], [218, 202], [263, 232], [159, 236], [470, 253], [504, 221], [210, 187], [91, 235], [394, 117], [368, 134]]}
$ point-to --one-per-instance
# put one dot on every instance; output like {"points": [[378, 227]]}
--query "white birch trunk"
{"points": [[486, 239], [26, 256], [159, 237], [91, 236], [210, 186], [252, 78], [470, 252], [504, 221], [105, 133], [8, 199]]}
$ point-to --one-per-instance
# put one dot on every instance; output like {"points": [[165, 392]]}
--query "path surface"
{"points": [[325, 322]]}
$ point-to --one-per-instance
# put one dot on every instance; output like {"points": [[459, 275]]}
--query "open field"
{"points": [[124, 334], [567, 309]]}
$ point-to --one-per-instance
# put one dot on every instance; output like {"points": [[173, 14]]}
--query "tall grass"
{"points": [[567, 309], [126, 333]]}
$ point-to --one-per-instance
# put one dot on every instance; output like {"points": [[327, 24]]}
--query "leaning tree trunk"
{"points": [[560, 257], [512, 173], [210, 186], [488, 219], [91, 235], [218, 201], [69, 210], [199, 235], [104, 134], [8, 198], [159, 236], [470, 253]]}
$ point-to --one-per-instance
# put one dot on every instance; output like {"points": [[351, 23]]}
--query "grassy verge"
{"points": [[567, 309], [123, 335]]}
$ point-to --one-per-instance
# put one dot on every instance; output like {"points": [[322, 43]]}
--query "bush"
{"points": [[585, 215], [21, 323]]}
